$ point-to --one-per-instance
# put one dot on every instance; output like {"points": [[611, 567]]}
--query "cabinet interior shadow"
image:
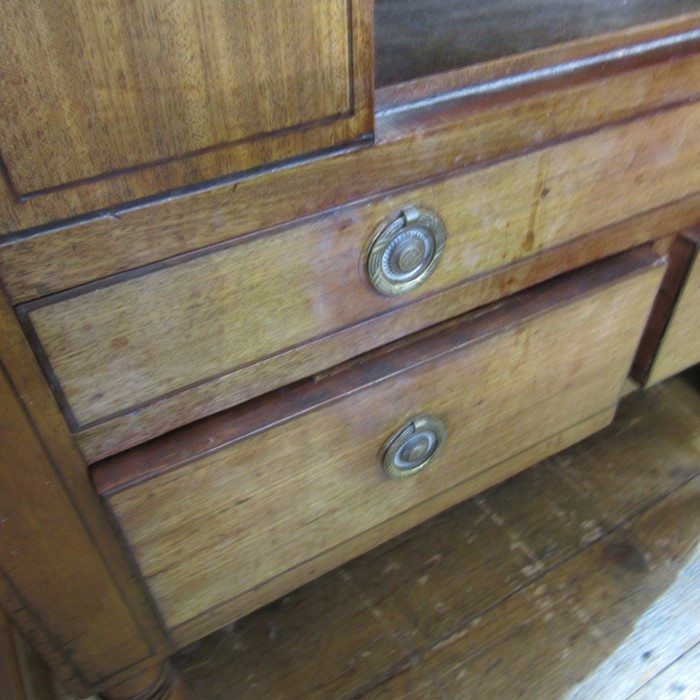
{"points": [[415, 38]]}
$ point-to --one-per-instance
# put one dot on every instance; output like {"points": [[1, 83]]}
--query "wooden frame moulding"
{"points": [[426, 137], [167, 171], [65, 581]]}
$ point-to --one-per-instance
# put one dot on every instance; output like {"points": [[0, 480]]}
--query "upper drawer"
{"points": [[137, 354], [224, 514], [113, 101]]}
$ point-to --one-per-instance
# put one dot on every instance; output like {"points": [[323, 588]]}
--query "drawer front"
{"points": [[109, 103], [150, 350], [218, 509]]}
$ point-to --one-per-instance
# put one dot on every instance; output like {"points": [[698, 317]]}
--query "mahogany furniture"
{"points": [[245, 293]]}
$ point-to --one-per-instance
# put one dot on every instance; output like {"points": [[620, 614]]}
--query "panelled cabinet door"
{"points": [[106, 102]]}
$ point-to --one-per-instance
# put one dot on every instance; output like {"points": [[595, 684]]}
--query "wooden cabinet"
{"points": [[200, 372]]}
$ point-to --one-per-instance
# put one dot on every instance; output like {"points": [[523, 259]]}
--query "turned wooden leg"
{"points": [[158, 683]]}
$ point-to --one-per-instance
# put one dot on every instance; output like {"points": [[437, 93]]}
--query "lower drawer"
{"points": [[228, 513]]}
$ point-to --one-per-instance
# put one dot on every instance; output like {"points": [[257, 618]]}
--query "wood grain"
{"points": [[415, 144], [65, 580], [208, 317], [261, 525], [680, 344], [172, 93], [605, 613], [332, 558], [136, 426], [11, 681], [452, 584]]}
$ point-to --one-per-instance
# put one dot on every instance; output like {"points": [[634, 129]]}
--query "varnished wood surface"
{"points": [[680, 344], [576, 579], [415, 38], [157, 336], [65, 581], [158, 417], [296, 486], [112, 102], [413, 145]]}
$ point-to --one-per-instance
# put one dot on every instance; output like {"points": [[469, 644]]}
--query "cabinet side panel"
{"points": [[64, 579]]}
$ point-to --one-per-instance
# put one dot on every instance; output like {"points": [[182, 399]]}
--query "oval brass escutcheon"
{"points": [[406, 251], [413, 447]]}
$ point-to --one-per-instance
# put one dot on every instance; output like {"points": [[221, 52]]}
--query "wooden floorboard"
{"points": [[577, 579], [679, 680]]}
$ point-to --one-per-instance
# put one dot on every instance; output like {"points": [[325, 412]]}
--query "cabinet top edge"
{"points": [[635, 45]]}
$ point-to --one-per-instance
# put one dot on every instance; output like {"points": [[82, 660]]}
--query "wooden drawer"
{"points": [[228, 513], [671, 340], [137, 354]]}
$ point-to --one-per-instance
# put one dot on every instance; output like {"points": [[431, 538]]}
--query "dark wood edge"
{"points": [[692, 235], [684, 250], [193, 442], [361, 40], [622, 49]]}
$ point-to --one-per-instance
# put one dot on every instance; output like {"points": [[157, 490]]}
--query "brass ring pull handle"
{"points": [[412, 448], [406, 251]]}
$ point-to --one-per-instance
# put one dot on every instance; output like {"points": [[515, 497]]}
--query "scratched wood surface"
{"points": [[576, 579]]}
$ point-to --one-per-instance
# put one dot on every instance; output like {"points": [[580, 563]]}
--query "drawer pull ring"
{"points": [[413, 447], [406, 251]]}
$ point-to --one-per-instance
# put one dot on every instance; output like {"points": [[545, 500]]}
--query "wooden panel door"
{"points": [[112, 101]]}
